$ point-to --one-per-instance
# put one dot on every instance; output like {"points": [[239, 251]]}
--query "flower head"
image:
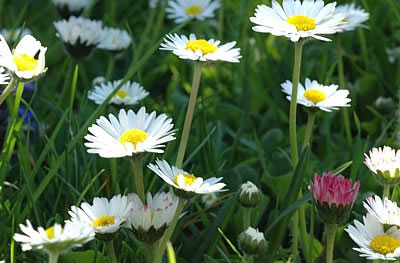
{"points": [[183, 10], [56, 239], [12, 35], [353, 16], [385, 164], [298, 20], [252, 241], [374, 243], [27, 61], [149, 221], [67, 8], [114, 39], [200, 49], [130, 93], [130, 133], [386, 211], [185, 185], [209, 199], [315, 95], [249, 195]]}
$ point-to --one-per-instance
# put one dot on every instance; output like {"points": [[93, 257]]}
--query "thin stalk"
{"points": [[189, 113], [110, 66], [309, 127], [330, 241], [53, 257], [246, 218], [295, 237], [111, 251], [386, 190], [65, 96], [8, 90], [151, 251], [137, 168], [168, 233]]}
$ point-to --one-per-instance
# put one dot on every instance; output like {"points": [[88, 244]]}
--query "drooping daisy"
{"points": [[67, 8], [373, 241], [353, 16], [326, 98], [182, 10], [54, 240], [297, 20], [132, 133], [80, 35], [200, 49], [4, 77], [114, 39], [185, 185], [149, 221], [130, 93], [26, 61], [386, 211], [385, 164], [12, 35], [104, 216]]}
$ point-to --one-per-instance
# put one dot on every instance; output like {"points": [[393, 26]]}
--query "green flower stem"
{"points": [[8, 90], [342, 85], [110, 66], [330, 241], [65, 96], [310, 124], [151, 251], [246, 217], [168, 233], [53, 257], [136, 164], [386, 190], [189, 114], [111, 251]]}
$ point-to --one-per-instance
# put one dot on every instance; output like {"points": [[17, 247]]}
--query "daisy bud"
{"points": [[249, 195], [334, 197], [252, 242], [384, 164]]}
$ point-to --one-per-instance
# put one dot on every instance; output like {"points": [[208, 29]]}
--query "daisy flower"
{"points": [[209, 199], [67, 8], [114, 39], [393, 54], [130, 133], [374, 243], [54, 240], [149, 222], [183, 10], [80, 35], [200, 49], [353, 16], [130, 93], [297, 20], [187, 185], [104, 216], [385, 164], [315, 95], [386, 211], [12, 35], [26, 61], [4, 77]]}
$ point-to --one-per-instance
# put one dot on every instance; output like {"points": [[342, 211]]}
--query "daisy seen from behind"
{"points": [[67, 8], [353, 16], [129, 94], [200, 49], [114, 39], [129, 133], [315, 95], [183, 10], [298, 20]]}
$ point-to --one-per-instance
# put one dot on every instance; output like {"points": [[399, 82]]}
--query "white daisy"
{"points": [[114, 39], [200, 49], [54, 240], [354, 17], [26, 61], [209, 199], [296, 19], [12, 35], [149, 221], [130, 93], [103, 216], [393, 54], [131, 133], [4, 77], [182, 10], [384, 162], [374, 243], [66, 8], [326, 98], [387, 212], [184, 181]]}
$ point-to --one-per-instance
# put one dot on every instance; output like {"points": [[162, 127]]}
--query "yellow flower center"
{"points": [[302, 23], [315, 95], [103, 221], [25, 62], [384, 244], [50, 232], [122, 94], [194, 10], [133, 136], [203, 45], [189, 179]]}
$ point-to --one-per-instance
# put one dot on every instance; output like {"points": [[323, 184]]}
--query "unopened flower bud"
{"points": [[252, 241], [249, 195]]}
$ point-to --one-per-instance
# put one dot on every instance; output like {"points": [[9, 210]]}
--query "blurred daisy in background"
{"points": [[130, 93], [80, 35], [393, 54], [386, 211], [297, 20], [209, 199], [315, 95], [353, 16], [183, 10], [131, 133], [114, 39], [67, 8], [200, 49], [12, 35]]}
